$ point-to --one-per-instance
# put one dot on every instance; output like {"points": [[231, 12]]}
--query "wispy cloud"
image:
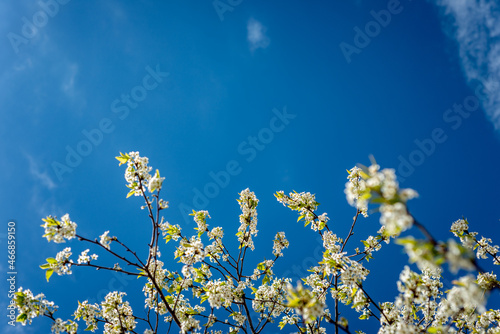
{"points": [[475, 24], [256, 35], [41, 176], [68, 83]]}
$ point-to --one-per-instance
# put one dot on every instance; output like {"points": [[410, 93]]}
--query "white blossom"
{"points": [[105, 240], [279, 243], [59, 230]]}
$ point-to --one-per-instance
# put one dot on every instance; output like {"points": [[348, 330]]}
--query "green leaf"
{"points": [[122, 159], [22, 317], [142, 273], [379, 200], [294, 303], [91, 327], [51, 260], [45, 266], [404, 241], [130, 193], [49, 273]]}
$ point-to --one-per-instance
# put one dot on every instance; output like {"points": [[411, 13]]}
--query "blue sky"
{"points": [[287, 95]]}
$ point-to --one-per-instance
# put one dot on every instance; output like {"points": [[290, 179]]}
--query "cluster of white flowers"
{"points": [[487, 281], [200, 219], [279, 243], [190, 251], [372, 244], [216, 233], [421, 252], [105, 240], [163, 204], [184, 312], [355, 189], [62, 263], [270, 298], [155, 182], [305, 203], [319, 285], [395, 218], [239, 318], [459, 227], [60, 326], [30, 306], [219, 292], [117, 313], [59, 230], [488, 322], [469, 240], [305, 303], [461, 304], [458, 257], [331, 242], [137, 172], [352, 273], [215, 250], [333, 259], [150, 291], [420, 306], [381, 185], [485, 248], [89, 313], [289, 320], [417, 292], [248, 218], [85, 258], [170, 231]]}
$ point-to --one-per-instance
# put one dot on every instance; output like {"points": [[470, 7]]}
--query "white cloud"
{"points": [[41, 176], [256, 35], [68, 84], [476, 27]]}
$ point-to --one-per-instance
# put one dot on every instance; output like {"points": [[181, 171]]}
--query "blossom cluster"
{"points": [[248, 218], [305, 203], [483, 246], [30, 306], [380, 186], [85, 258], [137, 172], [117, 313], [90, 313], [105, 240], [59, 230], [234, 292], [60, 326], [305, 303], [279, 243]]}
